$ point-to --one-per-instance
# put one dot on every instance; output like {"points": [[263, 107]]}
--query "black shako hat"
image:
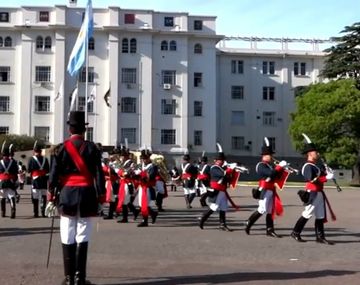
{"points": [[267, 149], [37, 147], [145, 153], [308, 146], [220, 155], [77, 118], [5, 150]]}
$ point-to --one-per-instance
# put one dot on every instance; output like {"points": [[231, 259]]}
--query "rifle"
{"points": [[330, 170]]}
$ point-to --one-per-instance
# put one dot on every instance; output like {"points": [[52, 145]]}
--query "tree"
{"points": [[343, 60], [329, 113], [20, 142]]}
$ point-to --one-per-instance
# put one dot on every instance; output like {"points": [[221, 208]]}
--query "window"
{"points": [[4, 104], [268, 67], [129, 19], [1, 42], [172, 46], [237, 117], [42, 103], [197, 79], [4, 130], [168, 136], [164, 45], [197, 137], [128, 75], [128, 105], [272, 142], [91, 43], [125, 46], [91, 75], [168, 77], [47, 43], [238, 143], [198, 108], [168, 107], [302, 70], [269, 118], [90, 134], [237, 66], [198, 48], [129, 134], [169, 21], [90, 104], [269, 93], [39, 42], [44, 16], [7, 42], [133, 46], [42, 73], [42, 133], [4, 17], [198, 25], [4, 74], [237, 92]]}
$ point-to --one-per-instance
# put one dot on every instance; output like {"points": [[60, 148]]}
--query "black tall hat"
{"points": [[220, 155], [309, 146], [267, 149], [145, 153], [5, 150], [12, 150], [77, 118], [203, 157], [37, 147], [124, 151]]}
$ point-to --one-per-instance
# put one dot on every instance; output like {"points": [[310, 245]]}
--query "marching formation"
{"points": [[80, 178]]}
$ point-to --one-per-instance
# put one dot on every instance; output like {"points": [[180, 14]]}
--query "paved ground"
{"points": [[176, 251]]}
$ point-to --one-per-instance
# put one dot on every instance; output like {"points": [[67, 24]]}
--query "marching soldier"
{"points": [[77, 174], [203, 179], [188, 177], [38, 167], [147, 181], [221, 175], [269, 202], [315, 178], [8, 179]]}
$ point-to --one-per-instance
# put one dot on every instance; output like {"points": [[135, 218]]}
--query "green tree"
{"points": [[329, 113], [20, 142]]}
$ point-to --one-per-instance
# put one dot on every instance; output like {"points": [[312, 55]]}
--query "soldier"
{"points": [[315, 178], [269, 202], [221, 175], [17, 184], [188, 176], [203, 179], [38, 167], [175, 178], [77, 174], [8, 179], [147, 181], [21, 175]]}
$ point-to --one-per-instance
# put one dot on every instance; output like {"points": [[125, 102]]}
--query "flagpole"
{"points": [[86, 80]]}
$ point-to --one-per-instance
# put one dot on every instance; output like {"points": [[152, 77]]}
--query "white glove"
{"points": [[137, 171], [329, 176], [283, 163], [50, 209], [232, 165]]}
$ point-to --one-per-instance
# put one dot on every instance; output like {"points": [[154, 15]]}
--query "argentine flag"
{"points": [[77, 56]]}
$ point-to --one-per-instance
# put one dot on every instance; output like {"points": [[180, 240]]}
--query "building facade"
{"points": [[170, 86]]}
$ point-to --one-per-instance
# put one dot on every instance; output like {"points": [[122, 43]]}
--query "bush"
{"points": [[20, 142]]}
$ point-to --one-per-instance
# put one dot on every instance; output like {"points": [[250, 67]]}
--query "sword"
{"points": [[50, 241]]}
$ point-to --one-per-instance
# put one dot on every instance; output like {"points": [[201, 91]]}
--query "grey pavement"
{"points": [[176, 251]]}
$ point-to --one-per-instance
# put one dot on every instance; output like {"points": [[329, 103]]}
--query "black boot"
{"points": [[35, 207], [159, 201], [3, 207], [144, 223], [191, 198], [13, 208], [112, 207], [43, 206], [81, 258], [270, 227], [153, 215], [223, 226], [133, 210], [125, 214], [69, 256], [320, 233], [203, 198], [299, 226], [252, 219], [187, 201], [204, 218]]}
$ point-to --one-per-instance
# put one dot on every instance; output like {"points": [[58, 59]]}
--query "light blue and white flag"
{"points": [[77, 56]]}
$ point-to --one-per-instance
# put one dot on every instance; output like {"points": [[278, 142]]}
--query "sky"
{"points": [[320, 19]]}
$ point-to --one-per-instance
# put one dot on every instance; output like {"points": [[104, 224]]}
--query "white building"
{"points": [[170, 86]]}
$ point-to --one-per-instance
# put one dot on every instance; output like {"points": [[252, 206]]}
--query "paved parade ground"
{"points": [[176, 251]]}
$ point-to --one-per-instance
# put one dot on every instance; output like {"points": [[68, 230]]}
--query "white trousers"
{"points": [[266, 204], [75, 229], [188, 191], [221, 202], [127, 195], [151, 203], [7, 193], [37, 193], [317, 208]]}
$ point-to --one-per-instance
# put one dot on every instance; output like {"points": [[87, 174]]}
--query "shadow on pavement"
{"points": [[7, 232]]}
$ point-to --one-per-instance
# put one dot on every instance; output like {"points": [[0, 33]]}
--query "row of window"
{"points": [[43, 16], [268, 67], [5, 42], [268, 118]]}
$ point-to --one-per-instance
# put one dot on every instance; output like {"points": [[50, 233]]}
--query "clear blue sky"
{"points": [[262, 18]]}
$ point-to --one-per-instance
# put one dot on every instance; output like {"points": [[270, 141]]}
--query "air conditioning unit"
{"points": [[167, 86]]}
